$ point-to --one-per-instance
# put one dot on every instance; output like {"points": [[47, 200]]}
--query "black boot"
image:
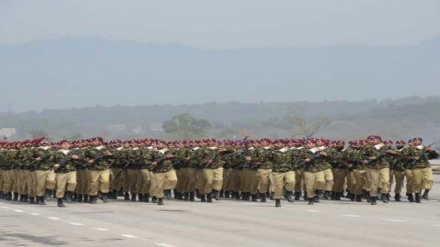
{"points": [[209, 197], [316, 199], [418, 198], [410, 198], [277, 203], [227, 194], [288, 196], [79, 198], [60, 203], [311, 201], [358, 198], [383, 198], [426, 195], [333, 196], [237, 195], [216, 195], [32, 200], [133, 197], [104, 197], [141, 197], [21, 198], [168, 194], [160, 201], [40, 200], [86, 198], [373, 200], [15, 199], [254, 197], [263, 197], [9, 197], [68, 197], [186, 196], [93, 199], [397, 197], [338, 196], [154, 199], [2, 196], [221, 194], [191, 196], [127, 196], [49, 194], [202, 198], [147, 197], [327, 195], [297, 196]]}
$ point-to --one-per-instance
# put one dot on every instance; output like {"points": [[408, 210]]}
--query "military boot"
{"points": [[288, 196], [410, 197], [32, 200], [426, 195], [133, 197], [227, 194], [237, 195], [221, 194], [209, 197], [141, 197], [69, 196], [86, 198], [311, 201], [333, 196], [216, 195], [383, 198], [338, 196], [40, 200], [254, 197], [154, 199], [186, 196], [160, 201], [9, 196], [168, 194], [327, 195], [15, 199], [21, 198], [263, 197], [104, 197], [127, 196], [93, 199], [191, 196], [316, 199], [358, 198], [373, 200], [202, 198], [418, 198], [49, 194], [2, 196], [277, 203], [297, 196], [60, 203], [79, 198], [147, 197], [397, 197]]}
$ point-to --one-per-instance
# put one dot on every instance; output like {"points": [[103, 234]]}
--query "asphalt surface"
{"points": [[223, 223]]}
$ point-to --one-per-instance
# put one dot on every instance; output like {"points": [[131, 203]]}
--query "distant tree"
{"points": [[186, 126], [307, 129], [38, 133]]}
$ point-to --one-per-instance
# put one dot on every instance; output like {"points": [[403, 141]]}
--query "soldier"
{"points": [[99, 160], [421, 169], [312, 174], [44, 171], [282, 172], [65, 170], [164, 173], [398, 169], [340, 169], [325, 169], [264, 158]]}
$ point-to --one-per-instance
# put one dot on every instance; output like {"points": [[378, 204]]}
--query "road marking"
{"points": [[34, 214], [314, 211], [394, 220], [53, 218], [128, 236], [5, 208], [351, 215], [101, 229], [165, 245], [76, 224], [18, 211]]}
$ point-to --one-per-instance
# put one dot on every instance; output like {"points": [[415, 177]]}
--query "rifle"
{"points": [[422, 156], [308, 165], [245, 153], [219, 152]]}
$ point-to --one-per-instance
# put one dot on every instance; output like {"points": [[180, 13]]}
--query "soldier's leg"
{"points": [[132, 181], [61, 180], [94, 182], [160, 183], [399, 177], [192, 173], [104, 179], [385, 180], [208, 177], [71, 181], [253, 183], [298, 180], [146, 184], [126, 181], [428, 178], [320, 181], [289, 181], [264, 180], [218, 179], [310, 181], [153, 187], [171, 179], [278, 184], [373, 175], [41, 182], [50, 180]]}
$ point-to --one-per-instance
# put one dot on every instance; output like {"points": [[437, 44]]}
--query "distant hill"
{"points": [[81, 72]]}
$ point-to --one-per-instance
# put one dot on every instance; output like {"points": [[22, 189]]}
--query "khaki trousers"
{"points": [[153, 186], [213, 179], [134, 180], [83, 182], [351, 182], [191, 174], [299, 180], [45, 180], [235, 180], [31, 178], [99, 181], [283, 180], [1, 180], [7, 183], [377, 176], [65, 180], [22, 182], [163, 178], [423, 179], [264, 181], [15, 180], [339, 176], [117, 180], [246, 180], [310, 179], [227, 179], [399, 176], [146, 181], [361, 181]]}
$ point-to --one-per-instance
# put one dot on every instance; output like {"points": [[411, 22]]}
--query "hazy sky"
{"points": [[225, 24]]}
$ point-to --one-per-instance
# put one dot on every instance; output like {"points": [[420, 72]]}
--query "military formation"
{"points": [[150, 170]]}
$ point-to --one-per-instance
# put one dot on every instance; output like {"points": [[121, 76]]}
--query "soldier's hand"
{"points": [[75, 156], [430, 149], [154, 163], [210, 161], [373, 158], [38, 159], [391, 152], [416, 158], [170, 156], [56, 166], [108, 153], [350, 165], [248, 158], [90, 161], [307, 160], [323, 153]]}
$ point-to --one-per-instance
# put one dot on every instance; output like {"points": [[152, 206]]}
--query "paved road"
{"points": [[222, 223]]}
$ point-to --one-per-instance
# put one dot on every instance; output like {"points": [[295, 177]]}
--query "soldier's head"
{"points": [[311, 143], [400, 144], [161, 144], [266, 142], [97, 141], [388, 143], [64, 144], [374, 139], [417, 141]]}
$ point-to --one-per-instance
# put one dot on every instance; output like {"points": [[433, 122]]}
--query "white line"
{"points": [[53, 218], [18, 211], [34, 214], [351, 215], [128, 236], [76, 224], [101, 229], [165, 245], [5, 208], [393, 220], [314, 211]]}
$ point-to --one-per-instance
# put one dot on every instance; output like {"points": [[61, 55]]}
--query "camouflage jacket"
{"points": [[376, 156], [100, 160], [64, 158], [422, 155], [282, 160]]}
